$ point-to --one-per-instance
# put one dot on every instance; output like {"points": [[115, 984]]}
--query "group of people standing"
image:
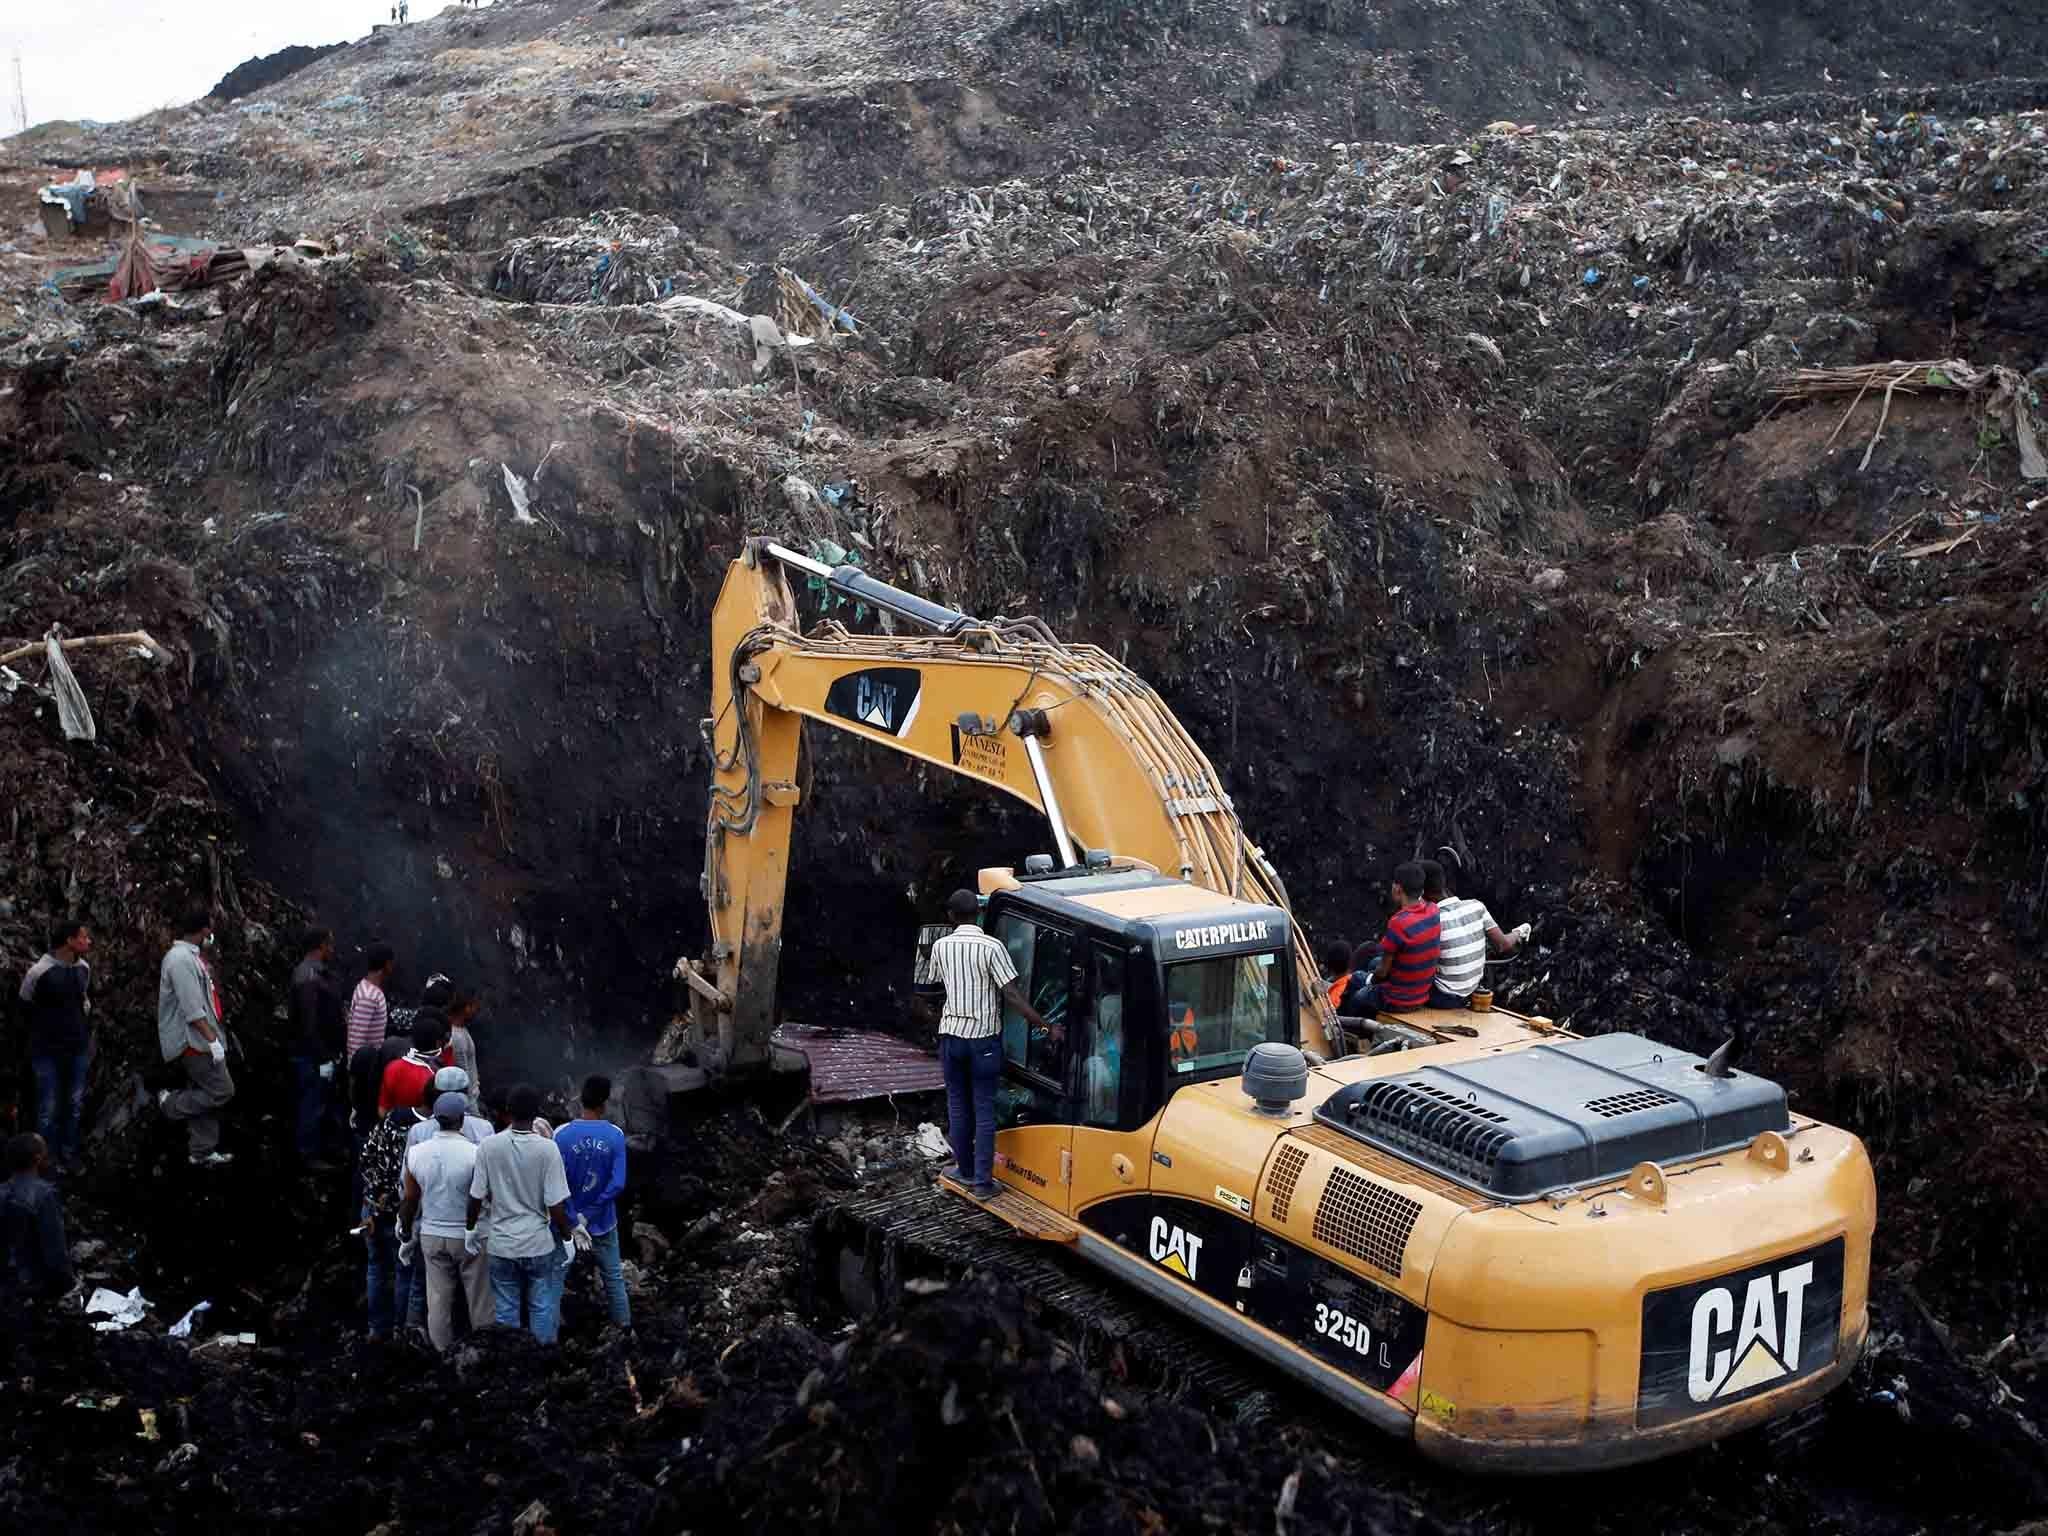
{"points": [[470, 1221], [468, 1224]]}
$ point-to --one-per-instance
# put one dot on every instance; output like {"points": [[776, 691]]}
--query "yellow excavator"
{"points": [[1524, 1249]]}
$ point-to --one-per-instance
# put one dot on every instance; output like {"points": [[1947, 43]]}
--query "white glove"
{"points": [[406, 1250], [217, 1048], [581, 1235], [568, 1253], [471, 1243], [1521, 932], [326, 1071]]}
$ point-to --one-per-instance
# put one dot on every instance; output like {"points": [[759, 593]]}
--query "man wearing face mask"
{"points": [[189, 1031]]}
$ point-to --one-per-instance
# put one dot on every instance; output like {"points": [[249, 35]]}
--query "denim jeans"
{"points": [[972, 1069], [309, 1101], [538, 1283], [390, 1283], [60, 1102], [612, 1277]]}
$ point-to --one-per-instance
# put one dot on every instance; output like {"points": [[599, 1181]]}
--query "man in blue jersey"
{"points": [[594, 1155]]}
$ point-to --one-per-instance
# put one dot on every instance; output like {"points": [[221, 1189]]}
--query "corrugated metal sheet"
{"points": [[853, 1064]]}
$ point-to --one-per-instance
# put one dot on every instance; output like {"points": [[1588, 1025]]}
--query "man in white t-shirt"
{"points": [[1464, 930], [520, 1172], [435, 1218]]}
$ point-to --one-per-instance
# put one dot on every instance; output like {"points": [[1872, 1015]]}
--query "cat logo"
{"points": [[1731, 1353], [1175, 1249], [1710, 1343], [882, 698]]}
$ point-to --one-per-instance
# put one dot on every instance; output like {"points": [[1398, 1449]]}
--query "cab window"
{"points": [[1038, 1094], [1217, 1010], [1100, 1048]]}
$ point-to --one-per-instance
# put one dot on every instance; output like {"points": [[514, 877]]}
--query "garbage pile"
{"points": [[615, 256]]}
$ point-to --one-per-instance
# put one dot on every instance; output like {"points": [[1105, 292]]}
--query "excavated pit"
{"points": [[1589, 607]]}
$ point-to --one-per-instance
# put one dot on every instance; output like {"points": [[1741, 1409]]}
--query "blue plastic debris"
{"points": [[1639, 284], [1593, 275], [1877, 215]]}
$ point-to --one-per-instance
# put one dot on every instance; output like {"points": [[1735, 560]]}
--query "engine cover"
{"points": [[1522, 1123]]}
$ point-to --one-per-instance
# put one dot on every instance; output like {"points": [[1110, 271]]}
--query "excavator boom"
{"points": [[1067, 729]]}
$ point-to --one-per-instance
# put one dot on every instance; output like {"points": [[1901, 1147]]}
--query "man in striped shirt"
{"points": [[368, 1009], [1465, 929], [1407, 953], [979, 978]]}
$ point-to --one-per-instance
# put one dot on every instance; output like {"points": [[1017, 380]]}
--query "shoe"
{"points": [[984, 1191], [950, 1171], [211, 1159]]}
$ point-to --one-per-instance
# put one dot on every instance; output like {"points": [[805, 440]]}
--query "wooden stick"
{"points": [[1838, 425], [1883, 416], [88, 642]]}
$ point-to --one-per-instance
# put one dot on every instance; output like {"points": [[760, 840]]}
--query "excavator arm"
{"points": [[1067, 729]]}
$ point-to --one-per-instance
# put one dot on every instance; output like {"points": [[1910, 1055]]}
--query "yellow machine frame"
{"points": [[1528, 1321]]}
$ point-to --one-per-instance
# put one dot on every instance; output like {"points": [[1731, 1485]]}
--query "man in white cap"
{"points": [[434, 1220]]}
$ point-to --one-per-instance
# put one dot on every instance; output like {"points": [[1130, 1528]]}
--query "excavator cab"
{"points": [[1146, 984]]}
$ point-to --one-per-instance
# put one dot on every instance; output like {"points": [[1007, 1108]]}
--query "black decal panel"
{"points": [[882, 698], [1719, 1341], [1344, 1320], [1341, 1318]]}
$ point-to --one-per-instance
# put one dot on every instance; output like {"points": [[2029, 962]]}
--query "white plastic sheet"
{"points": [[122, 1312], [73, 713]]}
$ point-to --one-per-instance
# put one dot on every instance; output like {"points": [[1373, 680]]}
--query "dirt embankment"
{"points": [[1448, 493]]}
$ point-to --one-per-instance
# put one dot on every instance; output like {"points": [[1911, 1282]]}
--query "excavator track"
{"points": [[867, 1249]]}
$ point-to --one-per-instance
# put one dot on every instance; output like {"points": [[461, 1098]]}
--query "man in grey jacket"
{"points": [[189, 1031]]}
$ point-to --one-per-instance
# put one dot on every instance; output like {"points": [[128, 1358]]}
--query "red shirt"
{"points": [[405, 1080], [1411, 938]]}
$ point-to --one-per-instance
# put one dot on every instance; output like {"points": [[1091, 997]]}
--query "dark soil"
{"points": [[1721, 710]]}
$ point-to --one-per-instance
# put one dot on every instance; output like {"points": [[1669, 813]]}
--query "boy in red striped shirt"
{"points": [[1408, 953]]}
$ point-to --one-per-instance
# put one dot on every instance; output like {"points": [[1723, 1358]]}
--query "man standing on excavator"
{"points": [[979, 978]]}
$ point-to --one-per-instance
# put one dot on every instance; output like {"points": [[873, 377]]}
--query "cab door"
{"points": [[1117, 1070], [1036, 1102]]}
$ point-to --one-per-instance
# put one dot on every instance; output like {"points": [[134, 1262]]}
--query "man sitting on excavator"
{"points": [[1466, 929], [1407, 953]]}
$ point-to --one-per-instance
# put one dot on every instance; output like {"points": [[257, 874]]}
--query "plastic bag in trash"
{"points": [[73, 713], [182, 1328]]}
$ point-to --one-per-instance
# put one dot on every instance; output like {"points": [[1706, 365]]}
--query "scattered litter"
{"points": [[93, 1401], [73, 713], [182, 1328], [516, 489], [931, 1141], [121, 1312], [149, 1429]]}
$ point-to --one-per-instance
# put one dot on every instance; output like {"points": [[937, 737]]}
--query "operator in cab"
{"points": [[979, 977], [1406, 968]]}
